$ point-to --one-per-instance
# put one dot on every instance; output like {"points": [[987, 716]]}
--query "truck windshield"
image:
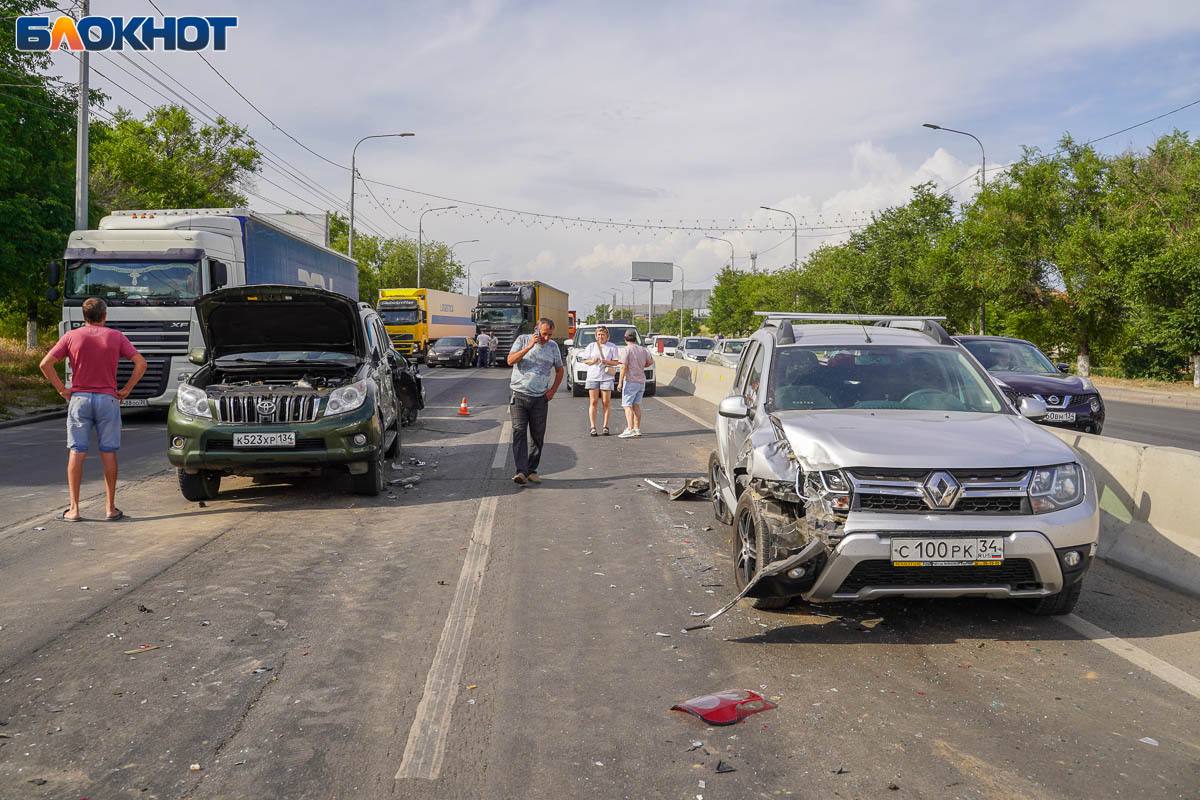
{"points": [[503, 316], [402, 316], [134, 282]]}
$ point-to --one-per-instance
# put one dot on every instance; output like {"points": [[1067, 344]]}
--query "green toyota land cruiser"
{"points": [[292, 380]]}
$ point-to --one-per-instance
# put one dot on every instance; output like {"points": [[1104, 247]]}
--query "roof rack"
{"points": [[926, 324]]}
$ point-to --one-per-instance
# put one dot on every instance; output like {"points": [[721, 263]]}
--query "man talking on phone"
{"points": [[533, 357]]}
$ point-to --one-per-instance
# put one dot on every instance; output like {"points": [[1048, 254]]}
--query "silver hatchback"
{"points": [[863, 461]]}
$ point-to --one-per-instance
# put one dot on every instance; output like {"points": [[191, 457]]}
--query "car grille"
{"points": [[984, 491], [1017, 573], [152, 384], [287, 409], [225, 444]]}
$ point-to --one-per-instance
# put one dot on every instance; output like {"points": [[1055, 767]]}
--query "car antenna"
{"points": [[866, 334]]}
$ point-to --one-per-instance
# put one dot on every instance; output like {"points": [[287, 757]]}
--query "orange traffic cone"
{"points": [[463, 410]]}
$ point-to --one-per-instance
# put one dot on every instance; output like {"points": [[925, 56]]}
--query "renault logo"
{"points": [[266, 408], [941, 490]]}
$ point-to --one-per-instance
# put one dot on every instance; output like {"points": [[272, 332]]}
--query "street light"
{"points": [[795, 234], [982, 184], [476, 261], [726, 241], [682, 294], [632, 297], [456, 244], [421, 236], [354, 176]]}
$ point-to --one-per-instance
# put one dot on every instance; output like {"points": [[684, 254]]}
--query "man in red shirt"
{"points": [[93, 401]]}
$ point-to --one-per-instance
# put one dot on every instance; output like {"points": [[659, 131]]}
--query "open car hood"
{"points": [[245, 319]]}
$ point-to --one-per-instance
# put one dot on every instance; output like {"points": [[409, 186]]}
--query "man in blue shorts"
{"points": [[633, 384]]}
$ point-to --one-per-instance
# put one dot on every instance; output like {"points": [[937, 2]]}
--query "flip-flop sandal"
{"points": [[605, 431], [592, 432], [62, 515], [114, 517]]}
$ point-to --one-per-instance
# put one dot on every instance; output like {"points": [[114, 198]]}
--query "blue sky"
{"points": [[671, 111]]}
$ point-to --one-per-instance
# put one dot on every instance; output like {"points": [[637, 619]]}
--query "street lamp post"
{"points": [[456, 244], [795, 234], [421, 237], [354, 176], [632, 297], [476, 261], [982, 184], [726, 241], [682, 295]]}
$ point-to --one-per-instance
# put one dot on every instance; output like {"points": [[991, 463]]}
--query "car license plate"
{"points": [[127, 403], [966, 551], [280, 439], [1060, 416]]}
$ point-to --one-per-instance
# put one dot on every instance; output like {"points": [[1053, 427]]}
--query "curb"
{"points": [[41, 416], [1148, 398]]}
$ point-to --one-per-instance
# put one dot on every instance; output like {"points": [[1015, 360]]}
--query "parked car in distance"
{"points": [[1022, 370], [727, 352], [456, 351], [585, 335], [857, 463], [696, 348], [291, 380], [669, 343]]}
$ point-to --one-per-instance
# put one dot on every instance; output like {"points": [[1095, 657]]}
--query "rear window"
{"points": [[699, 344]]}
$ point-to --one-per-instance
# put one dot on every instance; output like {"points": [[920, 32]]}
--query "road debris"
{"points": [[893, 787], [696, 745], [38, 781], [144, 609], [194, 768], [696, 488], [725, 708], [840, 771], [664, 635], [145, 648], [260, 670], [1149, 741], [39, 528], [411, 480], [723, 767], [770, 570]]}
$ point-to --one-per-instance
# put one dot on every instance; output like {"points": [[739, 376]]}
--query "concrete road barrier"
{"points": [[1148, 523]]}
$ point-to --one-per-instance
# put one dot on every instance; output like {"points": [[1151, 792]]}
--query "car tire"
{"points": [[720, 511], [204, 485], [408, 409], [749, 549], [651, 389], [577, 390], [371, 482], [1057, 604]]}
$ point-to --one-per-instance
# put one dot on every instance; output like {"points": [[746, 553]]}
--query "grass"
{"points": [[22, 387], [1175, 387]]}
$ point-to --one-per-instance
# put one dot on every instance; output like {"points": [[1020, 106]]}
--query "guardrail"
{"points": [[1148, 521]]}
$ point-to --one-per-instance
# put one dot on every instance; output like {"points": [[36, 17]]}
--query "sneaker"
{"points": [[533, 478], [637, 432], [628, 433], [519, 478]]}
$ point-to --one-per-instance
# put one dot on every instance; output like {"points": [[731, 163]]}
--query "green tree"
{"points": [[391, 263], [668, 323], [168, 160]]}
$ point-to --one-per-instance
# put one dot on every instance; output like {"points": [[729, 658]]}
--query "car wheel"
{"points": [[408, 409], [720, 510], [749, 549], [372, 481], [204, 485], [1057, 604], [651, 389], [577, 390]]}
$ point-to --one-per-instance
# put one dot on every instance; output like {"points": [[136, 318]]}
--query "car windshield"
{"points": [[450, 343], [734, 347], [1000, 356], [287, 356], [400, 316], [503, 316], [879, 376], [616, 335], [699, 344], [134, 282]]}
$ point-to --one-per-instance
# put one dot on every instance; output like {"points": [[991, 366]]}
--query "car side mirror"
{"points": [[1033, 408], [1064, 368], [733, 407], [569, 343], [218, 274], [198, 356]]}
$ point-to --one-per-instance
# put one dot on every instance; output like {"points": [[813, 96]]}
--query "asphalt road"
{"points": [[1171, 427], [470, 638]]}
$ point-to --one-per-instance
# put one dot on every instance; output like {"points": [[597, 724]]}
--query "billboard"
{"points": [[656, 271]]}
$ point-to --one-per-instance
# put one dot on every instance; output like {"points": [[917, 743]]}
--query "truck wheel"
{"points": [[720, 510], [204, 485], [1057, 604], [750, 550]]}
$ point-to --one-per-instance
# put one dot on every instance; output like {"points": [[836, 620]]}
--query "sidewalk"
{"points": [[1169, 395]]}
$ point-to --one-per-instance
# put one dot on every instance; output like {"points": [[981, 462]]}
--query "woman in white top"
{"points": [[602, 359]]}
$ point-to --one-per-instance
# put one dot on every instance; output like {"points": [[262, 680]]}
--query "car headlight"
{"points": [[346, 398], [830, 485], [192, 400], [1057, 487], [1088, 385], [458, 352], [1094, 404]]}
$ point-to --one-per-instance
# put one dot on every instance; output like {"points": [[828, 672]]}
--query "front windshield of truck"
{"points": [[403, 316], [134, 282], [499, 316], [879, 377], [1000, 356]]}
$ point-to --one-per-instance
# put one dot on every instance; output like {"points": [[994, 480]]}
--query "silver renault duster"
{"points": [[875, 457]]}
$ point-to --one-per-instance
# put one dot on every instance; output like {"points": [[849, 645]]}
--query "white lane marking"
{"points": [[1134, 655], [686, 413], [426, 747], [1131, 653], [501, 457]]}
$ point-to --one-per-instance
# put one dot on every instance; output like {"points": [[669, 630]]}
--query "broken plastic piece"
{"points": [[722, 767], [772, 569], [411, 480], [142, 649], [1148, 740], [692, 488], [725, 708]]}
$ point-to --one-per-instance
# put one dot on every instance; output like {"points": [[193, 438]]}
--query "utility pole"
{"points": [[81, 137], [354, 176], [421, 238], [795, 235]]}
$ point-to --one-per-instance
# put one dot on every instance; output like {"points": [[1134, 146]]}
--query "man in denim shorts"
{"points": [[634, 361], [93, 401]]}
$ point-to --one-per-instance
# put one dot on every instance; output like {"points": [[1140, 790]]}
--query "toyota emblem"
{"points": [[941, 490], [266, 408]]}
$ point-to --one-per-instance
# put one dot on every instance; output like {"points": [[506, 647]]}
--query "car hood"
{"points": [[244, 319], [1045, 385], [919, 439]]}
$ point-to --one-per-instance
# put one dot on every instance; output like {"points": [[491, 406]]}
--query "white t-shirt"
{"points": [[484, 340], [601, 372]]}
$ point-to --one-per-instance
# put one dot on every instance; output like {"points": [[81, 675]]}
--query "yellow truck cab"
{"points": [[416, 318]]}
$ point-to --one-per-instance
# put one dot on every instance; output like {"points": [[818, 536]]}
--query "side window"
{"points": [[739, 377], [372, 336], [754, 378]]}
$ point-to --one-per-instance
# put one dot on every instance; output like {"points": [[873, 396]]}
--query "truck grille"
{"points": [[152, 384], [154, 337], [901, 491], [267, 408], [1016, 573]]}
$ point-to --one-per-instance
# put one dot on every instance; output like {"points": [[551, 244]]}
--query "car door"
{"points": [[381, 370], [735, 432]]}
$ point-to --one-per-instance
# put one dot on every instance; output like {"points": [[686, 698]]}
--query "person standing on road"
{"points": [[633, 384], [533, 357], [93, 401], [484, 352], [602, 358]]}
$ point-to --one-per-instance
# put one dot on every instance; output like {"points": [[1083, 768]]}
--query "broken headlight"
{"points": [[346, 398], [1054, 488], [192, 400], [830, 485]]}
